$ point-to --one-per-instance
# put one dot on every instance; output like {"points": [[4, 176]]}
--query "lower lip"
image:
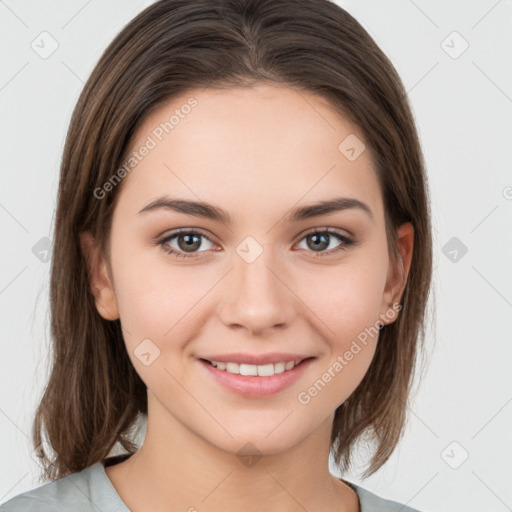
{"points": [[257, 387]]}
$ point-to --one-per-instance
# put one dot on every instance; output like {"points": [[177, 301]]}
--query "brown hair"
{"points": [[94, 395]]}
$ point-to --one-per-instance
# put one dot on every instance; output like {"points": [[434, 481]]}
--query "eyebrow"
{"points": [[209, 211]]}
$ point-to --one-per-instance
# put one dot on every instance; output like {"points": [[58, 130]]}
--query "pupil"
{"points": [[189, 243], [318, 243]]}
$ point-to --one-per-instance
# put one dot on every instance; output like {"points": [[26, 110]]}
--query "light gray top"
{"points": [[90, 490]]}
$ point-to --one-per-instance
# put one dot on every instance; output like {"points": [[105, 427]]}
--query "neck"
{"points": [[179, 470]]}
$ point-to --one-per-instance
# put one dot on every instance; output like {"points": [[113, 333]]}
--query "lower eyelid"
{"points": [[164, 242], [345, 240]]}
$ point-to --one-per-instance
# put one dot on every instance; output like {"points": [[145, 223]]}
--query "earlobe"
{"points": [[398, 272], [99, 279]]}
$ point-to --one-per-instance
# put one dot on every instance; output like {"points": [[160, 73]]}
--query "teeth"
{"points": [[264, 370]]}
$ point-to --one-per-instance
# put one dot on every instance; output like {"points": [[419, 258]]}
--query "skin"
{"points": [[257, 153]]}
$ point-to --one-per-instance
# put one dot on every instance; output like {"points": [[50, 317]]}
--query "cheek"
{"points": [[345, 301], [156, 310], [346, 297], [151, 290], [155, 300]]}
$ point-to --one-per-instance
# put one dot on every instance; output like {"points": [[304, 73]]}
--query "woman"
{"points": [[242, 256]]}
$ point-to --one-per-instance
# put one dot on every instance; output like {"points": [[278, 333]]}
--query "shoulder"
{"points": [[371, 502], [72, 492]]}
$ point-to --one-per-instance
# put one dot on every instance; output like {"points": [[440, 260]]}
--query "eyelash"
{"points": [[347, 241]]}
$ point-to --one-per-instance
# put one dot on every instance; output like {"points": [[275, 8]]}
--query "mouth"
{"points": [[253, 370], [256, 381]]}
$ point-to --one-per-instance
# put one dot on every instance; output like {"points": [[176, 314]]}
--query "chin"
{"points": [[259, 442]]}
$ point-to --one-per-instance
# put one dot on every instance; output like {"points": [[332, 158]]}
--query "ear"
{"points": [[100, 280], [397, 273]]}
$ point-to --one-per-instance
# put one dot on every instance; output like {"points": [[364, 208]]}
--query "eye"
{"points": [[320, 239], [188, 241]]}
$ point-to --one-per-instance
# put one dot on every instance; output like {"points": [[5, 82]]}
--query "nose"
{"points": [[257, 296]]}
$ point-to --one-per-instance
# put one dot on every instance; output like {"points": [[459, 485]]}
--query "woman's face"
{"points": [[260, 283]]}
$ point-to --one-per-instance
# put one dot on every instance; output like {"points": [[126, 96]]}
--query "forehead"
{"points": [[233, 146]]}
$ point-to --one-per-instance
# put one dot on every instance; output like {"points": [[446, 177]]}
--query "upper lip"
{"points": [[273, 358]]}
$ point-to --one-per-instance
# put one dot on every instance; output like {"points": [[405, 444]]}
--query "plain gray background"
{"points": [[454, 59]]}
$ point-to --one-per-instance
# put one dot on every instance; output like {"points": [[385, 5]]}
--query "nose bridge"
{"points": [[259, 298]]}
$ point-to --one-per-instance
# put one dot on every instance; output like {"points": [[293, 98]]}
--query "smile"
{"points": [[256, 381], [264, 370]]}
